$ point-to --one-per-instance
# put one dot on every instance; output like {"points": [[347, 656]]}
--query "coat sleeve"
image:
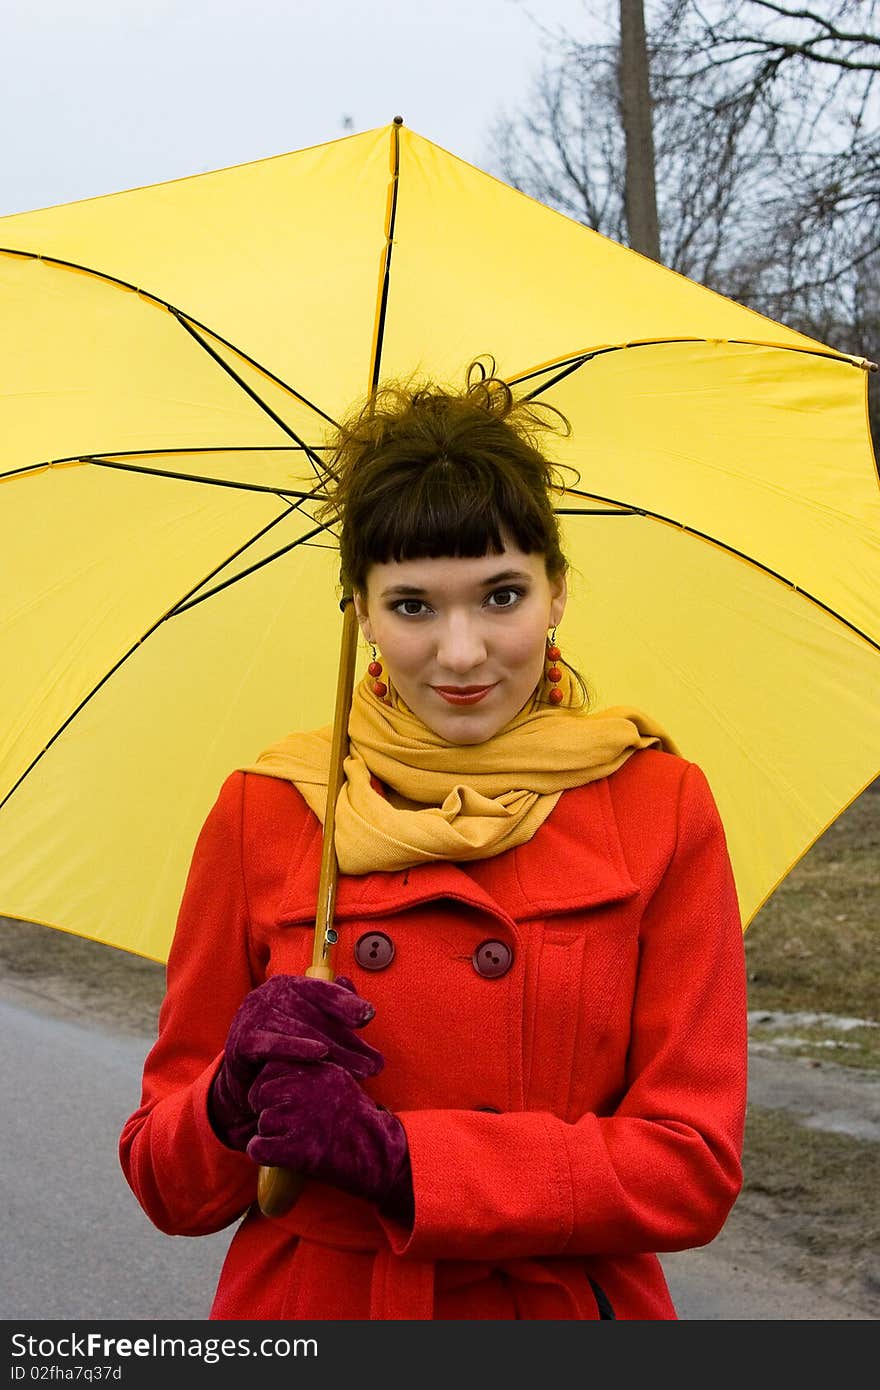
{"points": [[186, 1180], [663, 1171]]}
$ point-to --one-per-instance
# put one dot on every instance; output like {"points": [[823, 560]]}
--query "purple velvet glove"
{"points": [[289, 1018], [315, 1118]]}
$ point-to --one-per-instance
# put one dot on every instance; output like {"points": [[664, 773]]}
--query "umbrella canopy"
{"points": [[172, 357]]}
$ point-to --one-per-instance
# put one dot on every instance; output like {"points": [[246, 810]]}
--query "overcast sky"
{"points": [[101, 95]]}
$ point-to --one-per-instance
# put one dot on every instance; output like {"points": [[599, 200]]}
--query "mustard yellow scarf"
{"points": [[449, 801]]}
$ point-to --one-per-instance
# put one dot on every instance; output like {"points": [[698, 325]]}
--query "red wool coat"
{"points": [[564, 1028]]}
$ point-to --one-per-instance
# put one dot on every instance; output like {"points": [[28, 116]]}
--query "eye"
{"points": [[408, 607], [506, 598]]}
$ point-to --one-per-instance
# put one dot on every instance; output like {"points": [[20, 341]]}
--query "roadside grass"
{"points": [[812, 950], [810, 1200]]}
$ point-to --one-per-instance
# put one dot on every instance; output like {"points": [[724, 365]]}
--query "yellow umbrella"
{"points": [[171, 358]]}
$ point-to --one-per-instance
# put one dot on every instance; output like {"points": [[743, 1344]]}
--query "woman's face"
{"points": [[456, 624]]}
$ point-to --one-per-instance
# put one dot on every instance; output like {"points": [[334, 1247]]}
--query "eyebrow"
{"points": [[503, 576]]}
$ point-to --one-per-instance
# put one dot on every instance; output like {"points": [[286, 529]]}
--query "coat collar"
{"points": [[575, 860]]}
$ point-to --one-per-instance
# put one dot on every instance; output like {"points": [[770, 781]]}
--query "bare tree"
{"points": [[767, 137], [566, 148], [810, 77], [764, 36], [640, 196]]}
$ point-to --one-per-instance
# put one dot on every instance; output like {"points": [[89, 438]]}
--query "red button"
{"points": [[374, 950], [492, 959]]}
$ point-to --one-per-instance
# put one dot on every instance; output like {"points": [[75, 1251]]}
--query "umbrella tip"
{"points": [[398, 120]]}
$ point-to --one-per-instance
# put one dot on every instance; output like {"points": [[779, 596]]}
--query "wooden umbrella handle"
{"points": [[279, 1188]]}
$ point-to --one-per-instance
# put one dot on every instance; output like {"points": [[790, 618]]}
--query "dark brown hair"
{"points": [[419, 471]]}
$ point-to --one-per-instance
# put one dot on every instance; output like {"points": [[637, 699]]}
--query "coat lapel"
{"points": [[365, 896], [575, 860]]}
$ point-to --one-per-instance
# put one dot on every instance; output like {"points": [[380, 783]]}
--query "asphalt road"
{"points": [[76, 1243], [77, 1246]]}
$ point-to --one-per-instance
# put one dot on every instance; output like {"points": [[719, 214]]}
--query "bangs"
{"points": [[458, 513]]}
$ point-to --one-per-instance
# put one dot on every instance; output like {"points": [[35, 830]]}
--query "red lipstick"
{"points": [[463, 694]]}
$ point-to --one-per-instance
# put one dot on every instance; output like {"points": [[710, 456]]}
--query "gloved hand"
{"points": [[315, 1118], [289, 1018]]}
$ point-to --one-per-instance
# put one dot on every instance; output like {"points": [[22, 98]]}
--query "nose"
{"points": [[461, 646]]}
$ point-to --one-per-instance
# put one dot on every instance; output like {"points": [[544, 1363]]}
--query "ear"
{"points": [[559, 591], [363, 617]]}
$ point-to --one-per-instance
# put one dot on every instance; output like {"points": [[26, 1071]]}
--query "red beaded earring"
{"points": [[554, 674], [375, 670]]}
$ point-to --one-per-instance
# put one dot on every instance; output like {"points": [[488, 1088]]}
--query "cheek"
{"points": [[531, 645], [402, 651]]}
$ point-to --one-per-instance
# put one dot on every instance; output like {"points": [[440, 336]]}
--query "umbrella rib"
{"points": [[185, 604], [564, 366], [572, 366], [109, 459], [599, 511], [248, 390], [179, 314], [385, 279], [179, 607], [209, 482], [628, 509]]}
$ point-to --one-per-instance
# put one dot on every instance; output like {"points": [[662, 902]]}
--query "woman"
{"points": [[530, 1072]]}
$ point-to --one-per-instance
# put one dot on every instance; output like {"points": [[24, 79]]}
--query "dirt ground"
{"points": [[810, 1205]]}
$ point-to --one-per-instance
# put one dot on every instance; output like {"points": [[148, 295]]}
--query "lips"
{"points": [[463, 694]]}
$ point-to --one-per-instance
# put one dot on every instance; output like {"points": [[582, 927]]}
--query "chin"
{"points": [[468, 739], [467, 732]]}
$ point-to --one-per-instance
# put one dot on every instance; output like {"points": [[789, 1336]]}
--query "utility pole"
{"points": [[640, 196]]}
